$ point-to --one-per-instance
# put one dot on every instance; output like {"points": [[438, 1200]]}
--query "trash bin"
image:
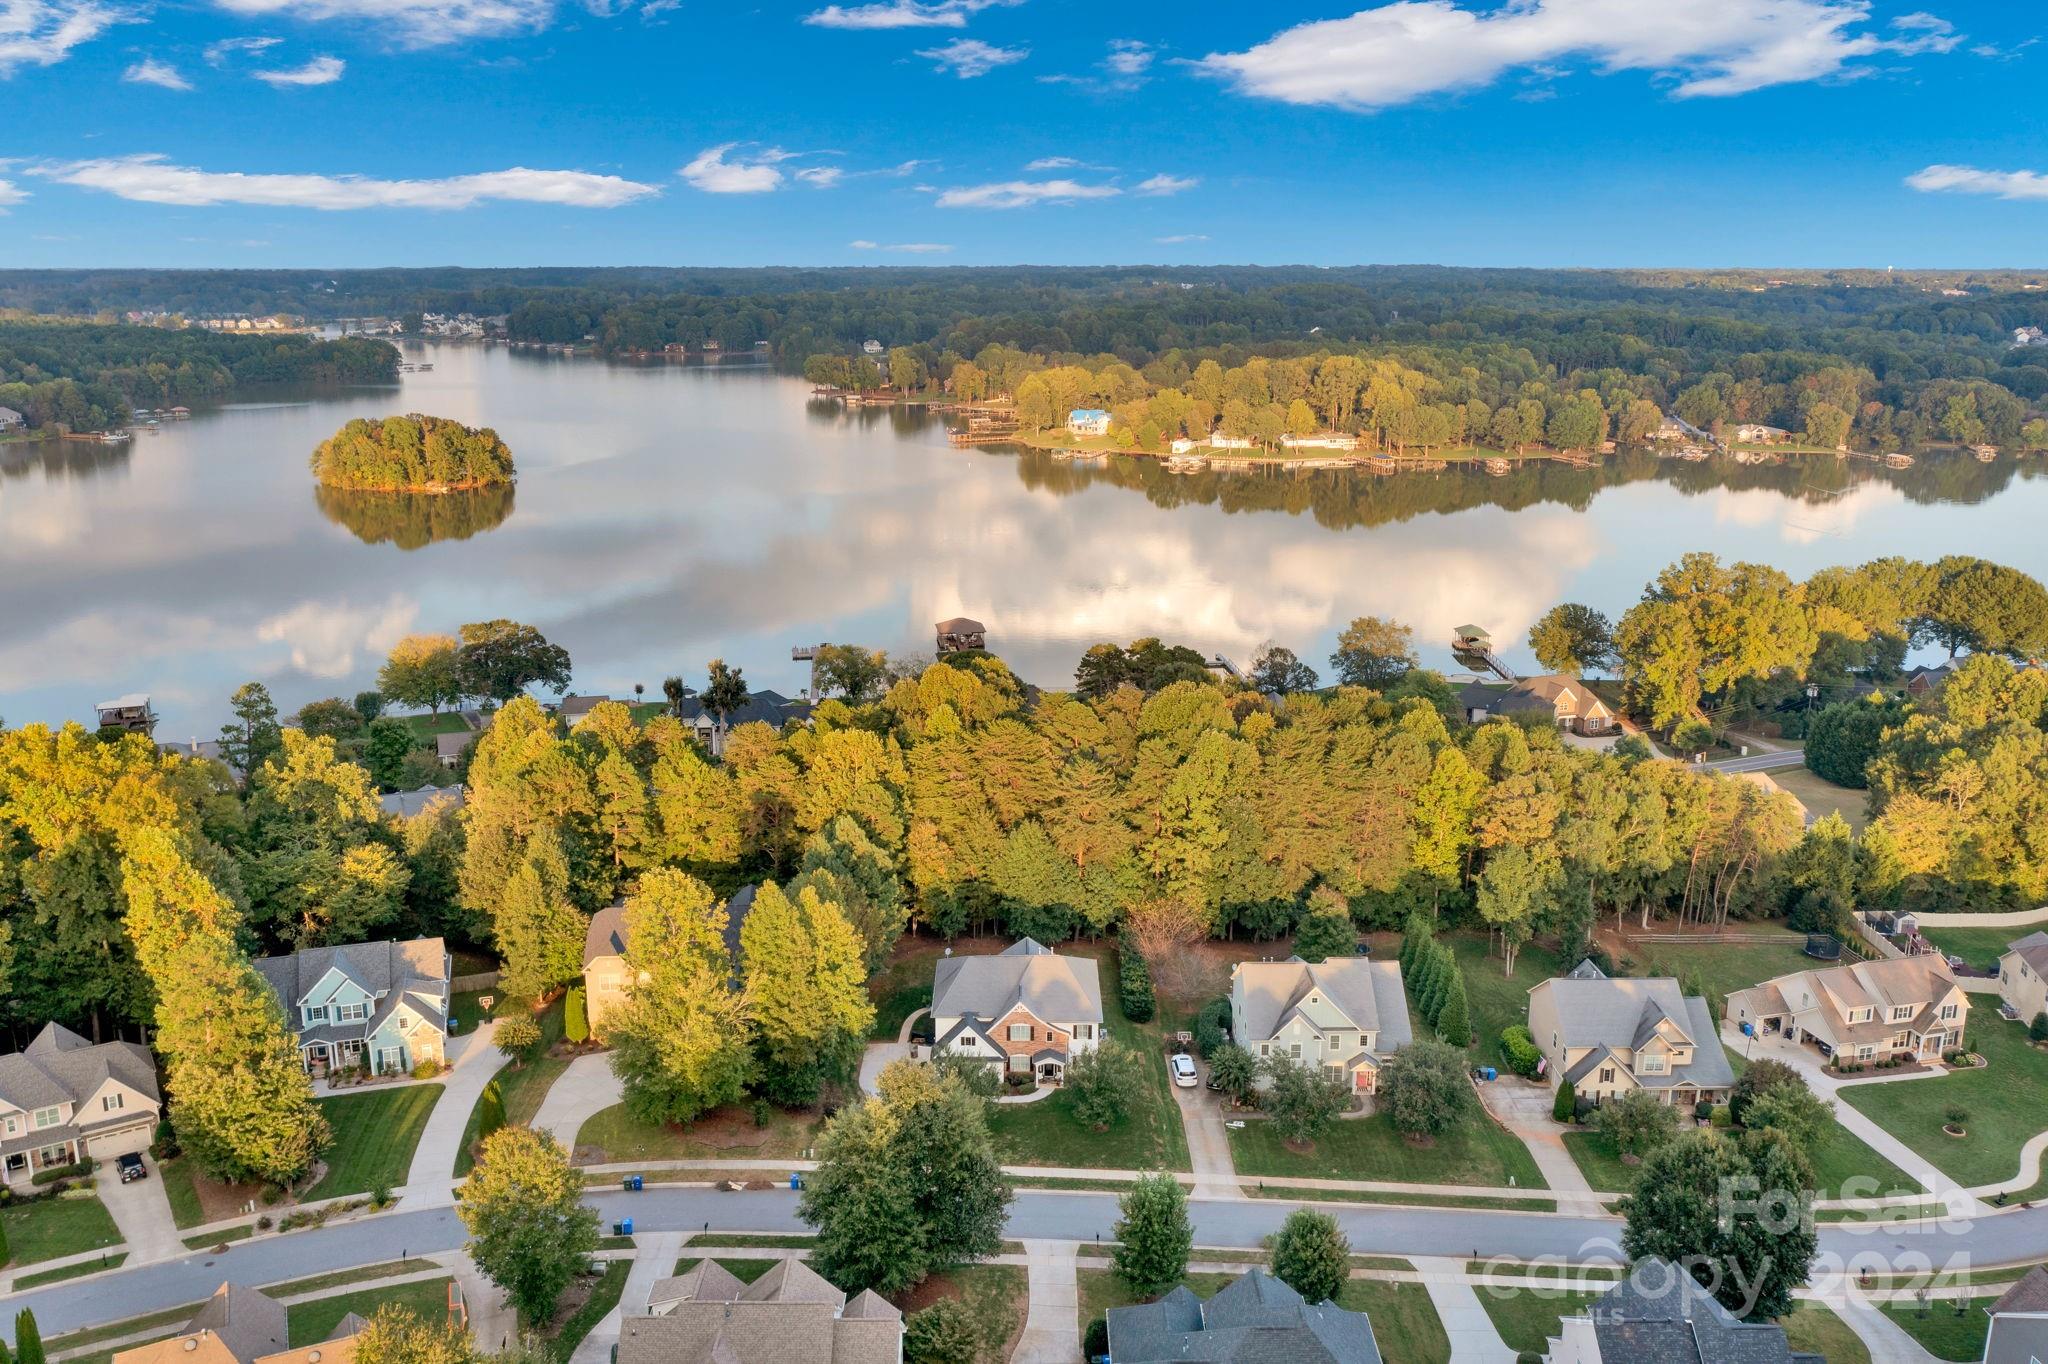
{"points": [[619, 1228], [625, 1226], [796, 1179], [633, 1183], [1489, 1074]]}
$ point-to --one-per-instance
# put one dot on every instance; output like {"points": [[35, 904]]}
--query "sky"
{"points": [[338, 133]]}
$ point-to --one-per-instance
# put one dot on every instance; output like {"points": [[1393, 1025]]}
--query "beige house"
{"points": [[1347, 1013], [1566, 700], [1026, 1008], [66, 1099], [1910, 1007], [236, 1325], [607, 978], [2023, 976], [1609, 1037], [707, 1316]]}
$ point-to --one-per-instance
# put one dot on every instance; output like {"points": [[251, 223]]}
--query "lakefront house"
{"points": [[1348, 1014], [1609, 1037], [383, 1005]]}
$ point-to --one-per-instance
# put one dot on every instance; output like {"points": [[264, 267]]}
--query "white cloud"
{"points": [[43, 32], [1159, 186], [2019, 184], [418, 23], [217, 53], [1124, 69], [319, 71], [1405, 50], [748, 173], [1023, 194], [150, 179], [1182, 238], [323, 637], [821, 177], [971, 57], [150, 71], [902, 14], [1128, 57], [1046, 163], [908, 248], [10, 193]]}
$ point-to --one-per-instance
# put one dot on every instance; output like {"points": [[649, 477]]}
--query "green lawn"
{"points": [[374, 1137], [725, 1133], [902, 987], [427, 726], [1479, 1153], [1940, 1331], [1978, 946], [525, 1088], [1822, 797], [1527, 1317], [1813, 1329], [51, 1228], [1149, 1137], [2003, 1099], [1724, 967], [1404, 1321], [1840, 1156], [1496, 1000], [184, 1199], [78, 1270], [312, 1322], [604, 1296]]}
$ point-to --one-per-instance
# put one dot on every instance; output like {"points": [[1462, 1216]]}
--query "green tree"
{"points": [[539, 932], [1303, 1100], [1751, 1248], [1804, 1117], [1426, 1091], [855, 673], [517, 1037], [1104, 1082], [1235, 1071], [1327, 930], [28, 1338], [1373, 652], [529, 1231], [1311, 1255], [1276, 671], [490, 1109], [575, 1017], [2037, 1029], [1827, 426], [1842, 738], [397, 1335], [1566, 1105], [725, 691], [386, 746], [254, 738], [1454, 1019], [806, 987], [422, 671], [682, 1042], [1153, 1234], [1572, 639], [412, 453], [1758, 1079], [1637, 1122], [500, 659]]}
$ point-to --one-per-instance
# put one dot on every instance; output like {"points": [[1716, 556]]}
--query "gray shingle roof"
{"points": [[1058, 989], [2033, 950], [406, 804], [1659, 1315], [247, 1322], [708, 1316], [413, 972], [59, 1066], [1368, 992], [1256, 1319], [606, 936]]}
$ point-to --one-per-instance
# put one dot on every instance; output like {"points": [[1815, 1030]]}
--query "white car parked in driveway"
{"points": [[1184, 1071]]}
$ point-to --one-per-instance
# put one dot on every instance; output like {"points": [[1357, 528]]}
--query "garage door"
{"points": [[107, 1145]]}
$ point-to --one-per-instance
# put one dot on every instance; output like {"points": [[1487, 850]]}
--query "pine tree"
{"points": [[806, 986], [540, 933], [1154, 1235], [682, 1041], [1453, 1020], [623, 817], [575, 1017], [28, 1338], [1565, 1107]]}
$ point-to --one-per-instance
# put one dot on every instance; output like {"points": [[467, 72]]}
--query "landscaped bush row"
{"points": [[1523, 1056], [1212, 1027], [1134, 987], [75, 1170]]}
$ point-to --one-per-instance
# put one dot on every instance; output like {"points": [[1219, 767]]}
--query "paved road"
{"points": [[1037, 1213], [1758, 762]]}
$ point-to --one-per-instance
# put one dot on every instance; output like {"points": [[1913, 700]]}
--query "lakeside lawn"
{"points": [[312, 1322], [2002, 1098], [1149, 1137], [51, 1228], [725, 1132], [1481, 1153], [1813, 1329], [1940, 1331], [1527, 1317], [375, 1134]]}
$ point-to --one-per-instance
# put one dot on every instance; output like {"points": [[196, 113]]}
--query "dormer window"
{"points": [[1901, 1011]]}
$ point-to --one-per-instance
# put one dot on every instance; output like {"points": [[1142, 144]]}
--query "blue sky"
{"points": [[516, 132]]}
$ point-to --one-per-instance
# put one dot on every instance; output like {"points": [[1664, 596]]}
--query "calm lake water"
{"points": [[665, 515]]}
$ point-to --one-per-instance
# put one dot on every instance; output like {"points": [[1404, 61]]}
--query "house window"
{"points": [[1652, 1065], [1901, 1011], [1265, 1049], [1020, 1032], [1084, 1032], [1859, 1015], [316, 1013], [1948, 1011], [1336, 1043], [1294, 1050], [966, 1039], [48, 1117], [351, 1013], [1607, 1075], [12, 1126], [1020, 1064], [113, 1103], [1865, 1052]]}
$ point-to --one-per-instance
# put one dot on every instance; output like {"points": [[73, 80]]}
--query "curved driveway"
{"points": [[1037, 1213]]}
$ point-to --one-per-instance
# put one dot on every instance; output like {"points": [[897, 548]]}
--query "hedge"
{"points": [[1520, 1049], [1134, 987]]}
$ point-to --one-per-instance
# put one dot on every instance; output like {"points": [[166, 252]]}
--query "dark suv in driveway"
{"points": [[131, 1167]]}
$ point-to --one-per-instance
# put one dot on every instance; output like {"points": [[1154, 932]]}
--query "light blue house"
{"points": [[1088, 421], [380, 1004]]}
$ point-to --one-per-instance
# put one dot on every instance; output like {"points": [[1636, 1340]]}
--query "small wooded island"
{"points": [[413, 454]]}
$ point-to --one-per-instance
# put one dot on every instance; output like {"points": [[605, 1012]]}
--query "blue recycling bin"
{"points": [[1749, 1030], [633, 1183], [796, 1179], [625, 1226], [1488, 1074]]}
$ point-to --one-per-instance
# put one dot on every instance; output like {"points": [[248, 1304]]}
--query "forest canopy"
{"points": [[412, 453]]}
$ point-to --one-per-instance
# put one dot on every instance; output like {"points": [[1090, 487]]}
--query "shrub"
{"points": [[1212, 1027], [1519, 1049], [426, 1069], [1566, 1104], [164, 1143], [2038, 1029], [1311, 1255], [1096, 1343], [1703, 1111], [1692, 736], [518, 1036], [575, 1017], [1956, 1114], [1134, 987], [380, 1197], [1425, 1089], [943, 1333], [490, 1110], [1235, 1071], [1104, 1081], [1454, 1019], [57, 1172]]}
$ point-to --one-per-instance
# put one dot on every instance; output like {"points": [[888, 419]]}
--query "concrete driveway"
{"points": [[472, 1061], [141, 1212], [585, 1087], [1524, 1107], [1202, 1118]]}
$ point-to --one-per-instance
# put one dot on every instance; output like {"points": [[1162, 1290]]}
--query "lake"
{"points": [[668, 514]]}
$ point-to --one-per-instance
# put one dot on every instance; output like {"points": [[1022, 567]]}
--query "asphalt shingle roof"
{"points": [[1368, 992], [1660, 1315], [1256, 1319], [1057, 989]]}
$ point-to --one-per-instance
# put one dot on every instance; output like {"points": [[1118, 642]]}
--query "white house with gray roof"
{"points": [[379, 1004], [1347, 1013], [65, 1099], [1026, 1008], [2023, 976], [1609, 1037]]}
